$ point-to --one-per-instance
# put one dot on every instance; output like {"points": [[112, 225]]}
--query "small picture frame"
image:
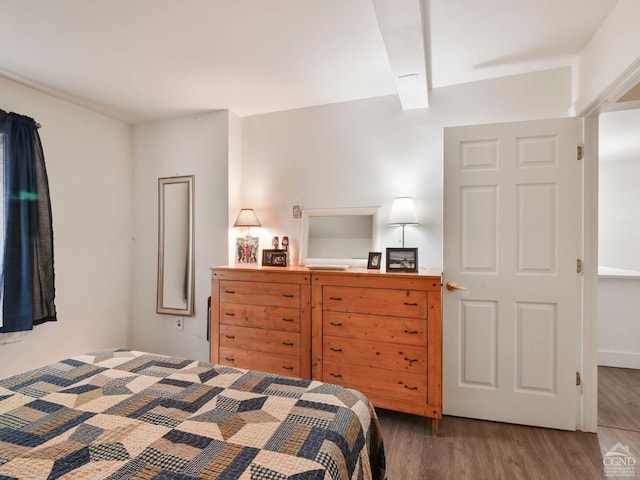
{"points": [[274, 258], [247, 250], [375, 259], [402, 260]]}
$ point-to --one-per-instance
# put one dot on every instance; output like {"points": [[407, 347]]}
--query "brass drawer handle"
{"points": [[411, 360], [335, 349], [409, 304], [229, 291], [230, 359], [337, 299], [288, 344], [335, 375], [411, 332], [335, 324], [287, 319], [230, 336], [288, 295], [410, 388], [287, 368], [228, 314]]}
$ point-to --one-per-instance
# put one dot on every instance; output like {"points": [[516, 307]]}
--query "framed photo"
{"points": [[247, 249], [375, 259], [274, 258], [402, 260]]}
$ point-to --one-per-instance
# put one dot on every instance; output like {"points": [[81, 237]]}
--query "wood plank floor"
{"points": [[478, 450]]}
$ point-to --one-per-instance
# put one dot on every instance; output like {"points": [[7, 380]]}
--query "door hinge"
{"points": [[579, 265], [578, 379], [580, 152]]}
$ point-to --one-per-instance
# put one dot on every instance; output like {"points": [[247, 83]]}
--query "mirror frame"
{"points": [[334, 212], [161, 308]]}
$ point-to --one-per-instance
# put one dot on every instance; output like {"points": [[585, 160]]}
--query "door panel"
{"points": [[512, 235]]}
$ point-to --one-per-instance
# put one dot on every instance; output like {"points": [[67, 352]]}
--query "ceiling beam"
{"points": [[403, 26]]}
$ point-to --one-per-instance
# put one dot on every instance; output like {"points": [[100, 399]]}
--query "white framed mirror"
{"points": [[175, 246], [339, 236]]}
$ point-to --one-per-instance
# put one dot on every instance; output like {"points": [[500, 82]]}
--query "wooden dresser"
{"points": [[260, 319], [381, 334]]}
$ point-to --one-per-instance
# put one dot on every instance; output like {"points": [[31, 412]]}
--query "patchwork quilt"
{"points": [[120, 414]]}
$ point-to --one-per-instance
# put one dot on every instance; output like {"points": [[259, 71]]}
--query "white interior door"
{"points": [[512, 238]]}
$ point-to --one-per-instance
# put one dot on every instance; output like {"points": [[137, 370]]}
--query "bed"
{"points": [[122, 414]]}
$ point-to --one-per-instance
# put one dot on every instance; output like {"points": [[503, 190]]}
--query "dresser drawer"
{"points": [[260, 293], [271, 341], [377, 382], [378, 301], [252, 360], [401, 358], [407, 331], [258, 316]]}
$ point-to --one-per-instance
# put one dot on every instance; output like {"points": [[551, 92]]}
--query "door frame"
{"points": [[588, 403]]}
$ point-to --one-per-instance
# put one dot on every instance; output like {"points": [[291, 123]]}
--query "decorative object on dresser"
{"points": [[402, 260], [247, 247], [375, 260], [403, 212], [382, 334], [260, 319], [339, 236], [274, 258]]}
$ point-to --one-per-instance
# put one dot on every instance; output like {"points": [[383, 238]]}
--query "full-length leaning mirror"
{"points": [[175, 246]]}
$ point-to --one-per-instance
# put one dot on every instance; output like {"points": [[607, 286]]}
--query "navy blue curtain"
{"points": [[28, 276]]}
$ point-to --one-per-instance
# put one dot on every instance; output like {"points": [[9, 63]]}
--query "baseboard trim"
{"points": [[608, 358]]}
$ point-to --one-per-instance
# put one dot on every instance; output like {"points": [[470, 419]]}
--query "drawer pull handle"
{"points": [[288, 344], [411, 360], [287, 368], [409, 304], [230, 336], [410, 332], [230, 291], [287, 319], [410, 388], [335, 375], [335, 349], [337, 299], [335, 324], [230, 359], [288, 295], [228, 314]]}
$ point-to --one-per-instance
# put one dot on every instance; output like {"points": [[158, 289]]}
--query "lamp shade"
{"points": [[247, 218], [403, 212]]}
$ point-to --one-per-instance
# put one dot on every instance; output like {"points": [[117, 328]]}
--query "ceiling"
{"points": [[140, 60]]}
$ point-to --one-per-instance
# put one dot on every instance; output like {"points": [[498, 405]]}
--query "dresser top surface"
{"points": [[349, 270]]}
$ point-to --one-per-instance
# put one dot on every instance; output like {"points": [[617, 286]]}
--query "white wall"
{"points": [[88, 158], [611, 56], [366, 152], [618, 322], [194, 145], [619, 193], [619, 240]]}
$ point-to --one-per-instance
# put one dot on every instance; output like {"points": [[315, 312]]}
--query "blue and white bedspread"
{"points": [[120, 414]]}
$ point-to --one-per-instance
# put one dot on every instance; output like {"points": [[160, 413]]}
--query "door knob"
{"points": [[451, 286]]}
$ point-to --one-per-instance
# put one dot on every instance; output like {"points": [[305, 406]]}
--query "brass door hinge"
{"points": [[580, 152], [579, 265], [578, 379]]}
